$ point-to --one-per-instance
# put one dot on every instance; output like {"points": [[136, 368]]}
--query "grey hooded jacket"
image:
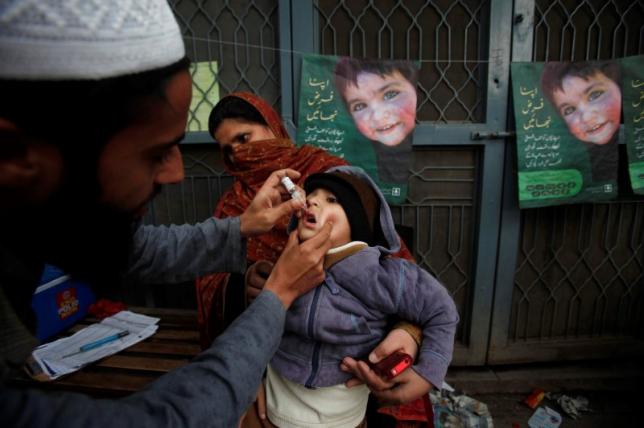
{"points": [[347, 314]]}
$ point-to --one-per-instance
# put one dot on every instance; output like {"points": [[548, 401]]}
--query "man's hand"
{"points": [[405, 387], [268, 206], [299, 268], [256, 276]]}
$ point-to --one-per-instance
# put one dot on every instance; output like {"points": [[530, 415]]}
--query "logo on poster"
{"points": [[395, 191], [608, 188], [551, 189]]}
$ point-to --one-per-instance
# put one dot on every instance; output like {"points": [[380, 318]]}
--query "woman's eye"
{"points": [[331, 199], [594, 95], [390, 95], [242, 138], [568, 110], [358, 106]]}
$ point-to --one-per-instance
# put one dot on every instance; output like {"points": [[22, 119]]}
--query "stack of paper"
{"points": [[65, 355]]}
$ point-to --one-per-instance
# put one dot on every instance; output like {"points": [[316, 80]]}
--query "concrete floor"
{"points": [[611, 409], [615, 390]]}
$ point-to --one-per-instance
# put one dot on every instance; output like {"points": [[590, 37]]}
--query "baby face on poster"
{"points": [[591, 107], [383, 107]]}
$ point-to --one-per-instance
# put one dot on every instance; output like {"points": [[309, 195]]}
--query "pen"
{"points": [[99, 342]]}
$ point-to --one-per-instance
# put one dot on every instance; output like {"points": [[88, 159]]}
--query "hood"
{"points": [[390, 242]]}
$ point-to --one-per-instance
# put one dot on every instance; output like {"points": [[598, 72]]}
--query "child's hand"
{"points": [[255, 415], [256, 276], [260, 402]]}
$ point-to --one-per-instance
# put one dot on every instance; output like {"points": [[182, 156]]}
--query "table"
{"points": [[174, 344]]}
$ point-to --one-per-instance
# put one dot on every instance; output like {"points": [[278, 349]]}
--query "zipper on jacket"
{"points": [[315, 365], [314, 307], [316, 349]]}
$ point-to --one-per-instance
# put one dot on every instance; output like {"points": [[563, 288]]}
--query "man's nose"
{"points": [[172, 170]]}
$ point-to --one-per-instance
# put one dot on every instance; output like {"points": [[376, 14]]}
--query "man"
{"points": [[94, 102]]}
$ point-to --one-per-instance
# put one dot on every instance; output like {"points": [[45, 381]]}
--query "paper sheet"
{"points": [[55, 361]]}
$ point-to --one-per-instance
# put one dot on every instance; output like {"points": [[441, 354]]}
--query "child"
{"points": [[381, 98], [347, 314], [587, 97]]}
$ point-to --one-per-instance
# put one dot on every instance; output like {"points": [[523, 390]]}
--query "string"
{"points": [[290, 51]]}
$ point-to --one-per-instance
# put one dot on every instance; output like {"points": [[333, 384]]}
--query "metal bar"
{"points": [[433, 134], [497, 135], [286, 66], [509, 236], [491, 179], [302, 13]]}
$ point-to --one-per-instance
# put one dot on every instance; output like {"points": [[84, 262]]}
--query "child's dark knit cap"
{"points": [[360, 203]]}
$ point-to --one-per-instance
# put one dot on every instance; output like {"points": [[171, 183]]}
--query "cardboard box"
{"points": [[59, 302]]}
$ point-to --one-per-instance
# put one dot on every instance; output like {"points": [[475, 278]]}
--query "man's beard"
{"points": [[86, 238]]}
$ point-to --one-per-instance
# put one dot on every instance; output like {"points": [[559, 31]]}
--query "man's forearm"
{"points": [[213, 390], [174, 253]]}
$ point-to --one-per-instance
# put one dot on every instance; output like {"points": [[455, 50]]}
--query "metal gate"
{"points": [[577, 289], [526, 283]]}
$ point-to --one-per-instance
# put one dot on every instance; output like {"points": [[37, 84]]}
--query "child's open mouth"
{"points": [[309, 219]]}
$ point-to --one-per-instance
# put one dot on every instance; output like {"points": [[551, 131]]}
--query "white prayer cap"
{"points": [[86, 39]]}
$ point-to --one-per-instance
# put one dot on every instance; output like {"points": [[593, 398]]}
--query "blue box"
{"points": [[59, 302]]}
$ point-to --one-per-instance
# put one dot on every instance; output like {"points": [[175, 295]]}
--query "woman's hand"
{"points": [[405, 387]]}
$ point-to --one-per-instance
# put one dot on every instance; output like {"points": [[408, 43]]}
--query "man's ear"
{"points": [[26, 164], [15, 167]]}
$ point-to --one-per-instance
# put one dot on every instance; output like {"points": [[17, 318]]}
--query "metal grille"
{"points": [[580, 269], [448, 37], [580, 272], [440, 210], [194, 199], [241, 36], [573, 30]]}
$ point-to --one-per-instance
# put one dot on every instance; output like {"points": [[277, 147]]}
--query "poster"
{"points": [[205, 94], [633, 90], [567, 121], [364, 111]]}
